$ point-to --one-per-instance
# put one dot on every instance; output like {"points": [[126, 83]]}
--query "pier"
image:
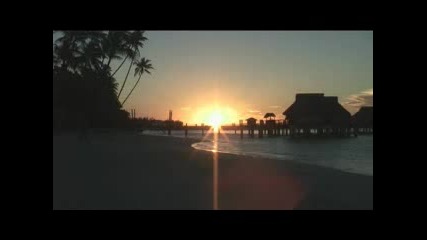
{"points": [[262, 130], [312, 114]]}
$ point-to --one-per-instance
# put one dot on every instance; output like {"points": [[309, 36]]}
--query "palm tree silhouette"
{"points": [[135, 40], [91, 55], [70, 47], [141, 66], [114, 46], [84, 89], [66, 50]]}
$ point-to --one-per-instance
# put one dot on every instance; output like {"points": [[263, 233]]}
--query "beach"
{"points": [[129, 171]]}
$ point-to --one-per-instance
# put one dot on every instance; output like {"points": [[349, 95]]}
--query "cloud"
{"points": [[364, 98], [253, 111], [355, 101], [186, 108], [275, 106]]}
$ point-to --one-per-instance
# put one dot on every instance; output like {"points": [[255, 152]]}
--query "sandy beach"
{"points": [[128, 171]]}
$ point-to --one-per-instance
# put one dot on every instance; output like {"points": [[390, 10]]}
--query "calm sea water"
{"points": [[347, 154]]}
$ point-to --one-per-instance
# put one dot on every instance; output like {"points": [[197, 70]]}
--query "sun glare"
{"points": [[215, 116], [215, 120]]}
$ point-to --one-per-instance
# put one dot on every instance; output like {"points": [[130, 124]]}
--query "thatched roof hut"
{"points": [[251, 121], [313, 110], [364, 117], [269, 115]]}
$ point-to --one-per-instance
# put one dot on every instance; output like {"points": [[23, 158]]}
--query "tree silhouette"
{"points": [[91, 55], [114, 46], [84, 90], [135, 40], [141, 66]]}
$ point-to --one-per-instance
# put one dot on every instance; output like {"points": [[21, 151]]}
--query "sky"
{"points": [[244, 74]]}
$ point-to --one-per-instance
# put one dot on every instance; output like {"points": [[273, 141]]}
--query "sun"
{"points": [[215, 120], [215, 116]]}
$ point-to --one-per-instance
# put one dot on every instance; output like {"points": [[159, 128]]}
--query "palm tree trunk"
{"points": [[107, 65], [109, 61], [134, 86], [124, 82], [118, 67]]}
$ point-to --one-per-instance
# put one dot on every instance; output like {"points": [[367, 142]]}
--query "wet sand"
{"points": [[127, 171]]}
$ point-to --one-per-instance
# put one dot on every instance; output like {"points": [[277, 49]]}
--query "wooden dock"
{"points": [[273, 128]]}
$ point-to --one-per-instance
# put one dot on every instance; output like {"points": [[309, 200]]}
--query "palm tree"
{"points": [[135, 40], [83, 85], [75, 38], [68, 47], [66, 54], [269, 115], [91, 54], [114, 46], [141, 66]]}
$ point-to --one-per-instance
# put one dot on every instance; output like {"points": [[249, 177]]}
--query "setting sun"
{"points": [[215, 120], [212, 120], [215, 116]]}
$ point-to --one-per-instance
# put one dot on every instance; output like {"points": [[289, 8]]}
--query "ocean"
{"points": [[349, 154]]}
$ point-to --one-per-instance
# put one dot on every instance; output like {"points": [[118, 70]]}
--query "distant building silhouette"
{"points": [[315, 113], [269, 115], [251, 122], [270, 123]]}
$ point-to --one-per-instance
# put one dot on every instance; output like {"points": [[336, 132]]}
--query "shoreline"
{"points": [[130, 171], [260, 155]]}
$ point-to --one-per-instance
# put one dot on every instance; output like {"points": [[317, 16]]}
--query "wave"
{"points": [[353, 155]]}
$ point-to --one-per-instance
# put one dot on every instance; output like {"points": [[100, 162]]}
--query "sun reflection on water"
{"points": [[215, 170]]}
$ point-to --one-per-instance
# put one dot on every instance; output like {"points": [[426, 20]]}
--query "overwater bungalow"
{"points": [[270, 123], [314, 113], [362, 121]]}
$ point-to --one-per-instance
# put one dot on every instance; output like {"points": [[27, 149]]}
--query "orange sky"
{"points": [[249, 73], [246, 74]]}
